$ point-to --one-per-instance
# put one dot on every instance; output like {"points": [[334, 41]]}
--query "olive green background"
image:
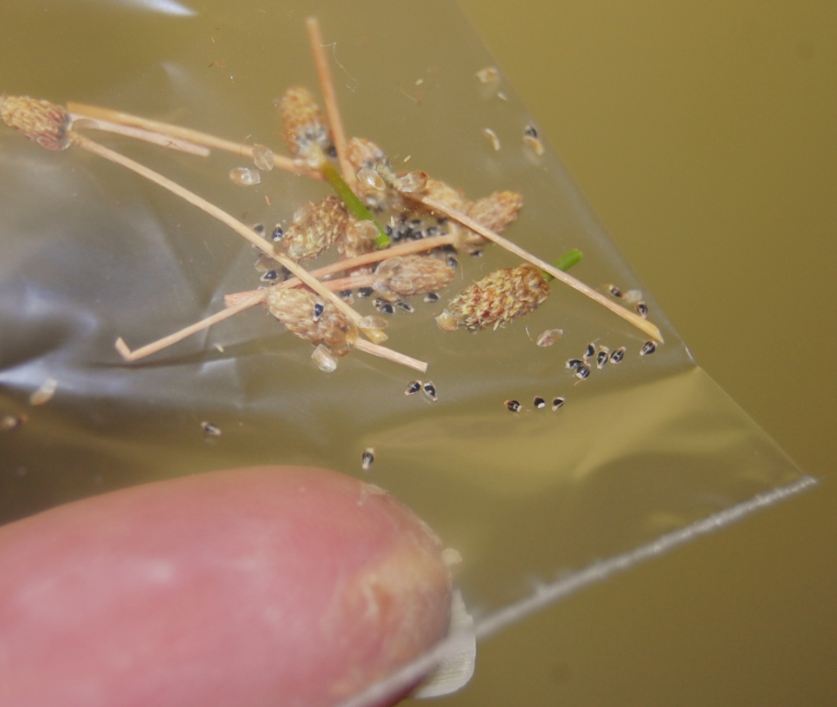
{"points": [[704, 136]]}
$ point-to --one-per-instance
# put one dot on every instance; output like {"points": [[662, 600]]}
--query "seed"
{"points": [[210, 429], [244, 176], [9, 423], [431, 297], [452, 261], [530, 130], [615, 291], [548, 337], [429, 391], [534, 145], [323, 359], [278, 234], [617, 355], [270, 276], [557, 403], [648, 348], [589, 352], [512, 405], [318, 311], [492, 138], [364, 291], [404, 306], [259, 228], [370, 178], [412, 388], [477, 253], [488, 74], [367, 458], [412, 183], [44, 394], [574, 363], [345, 294], [263, 157], [642, 309], [539, 403], [383, 306], [582, 372], [601, 359]]}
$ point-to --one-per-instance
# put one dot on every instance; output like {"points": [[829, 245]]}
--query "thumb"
{"points": [[260, 586]]}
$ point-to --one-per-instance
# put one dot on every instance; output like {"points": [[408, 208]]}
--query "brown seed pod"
{"points": [[408, 275], [41, 121], [315, 227], [495, 212], [307, 316], [304, 129], [496, 299], [374, 174], [359, 237]]}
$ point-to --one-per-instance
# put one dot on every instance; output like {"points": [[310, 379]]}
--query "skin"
{"points": [[259, 586]]}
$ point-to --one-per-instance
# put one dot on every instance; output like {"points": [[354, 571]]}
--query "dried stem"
{"points": [[171, 339], [227, 219], [315, 39], [390, 355], [139, 134], [82, 110], [439, 207]]}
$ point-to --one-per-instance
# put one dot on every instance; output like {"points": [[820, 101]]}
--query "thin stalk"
{"points": [[153, 137], [353, 204]]}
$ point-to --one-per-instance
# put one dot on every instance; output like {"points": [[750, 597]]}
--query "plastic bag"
{"points": [[538, 503]]}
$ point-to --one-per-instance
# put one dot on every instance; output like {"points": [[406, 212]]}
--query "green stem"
{"points": [[566, 261], [354, 205]]}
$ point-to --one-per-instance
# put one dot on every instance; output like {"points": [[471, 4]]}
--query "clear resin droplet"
{"points": [[263, 157], [324, 359]]}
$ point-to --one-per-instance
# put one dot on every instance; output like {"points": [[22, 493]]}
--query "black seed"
{"points": [[617, 355], [590, 351], [367, 458], [475, 253], [539, 403], [383, 306], [270, 276], [345, 294], [582, 372], [648, 348], [364, 291], [557, 403], [512, 405], [210, 429], [431, 297], [318, 311], [259, 228], [432, 231], [601, 359], [388, 230], [413, 388], [642, 309], [404, 306], [331, 151], [614, 290], [530, 130], [574, 363], [452, 262], [278, 233], [429, 391]]}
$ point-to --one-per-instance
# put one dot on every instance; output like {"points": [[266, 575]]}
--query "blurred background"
{"points": [[704, 136]]}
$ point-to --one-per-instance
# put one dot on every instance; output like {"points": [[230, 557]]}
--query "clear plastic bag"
{"points": [[538, 503]]}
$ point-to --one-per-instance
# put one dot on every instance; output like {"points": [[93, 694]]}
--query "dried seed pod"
{"points": [[359, 237], [304, 129], [374, 174], [294, 308], [408, 275], [443, 192], [496, 299], [41, 121], [315, 228], [495, 212]]}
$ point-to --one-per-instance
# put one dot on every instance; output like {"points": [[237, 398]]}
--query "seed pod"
{"points": [[315, 227], [41, 121], [443, 192], [304, 129], [294, 307], [359, 237], [496, 299], [495, 212], [407, 275]]}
